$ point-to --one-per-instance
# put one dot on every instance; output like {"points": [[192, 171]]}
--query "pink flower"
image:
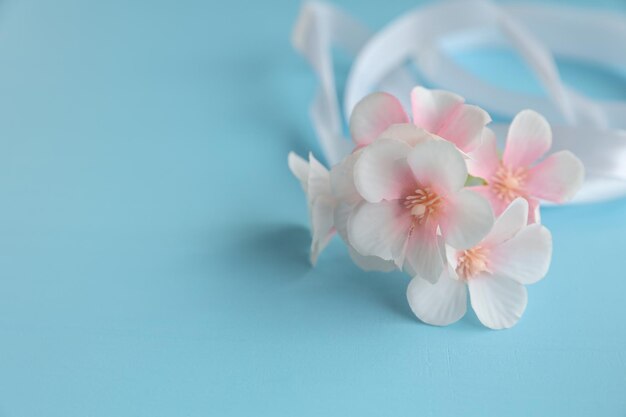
{"points": [[556, 179], [438, 112], [512, 255], [413, 202]]}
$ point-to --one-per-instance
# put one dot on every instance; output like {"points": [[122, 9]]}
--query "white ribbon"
{"points": [[592, 129]]}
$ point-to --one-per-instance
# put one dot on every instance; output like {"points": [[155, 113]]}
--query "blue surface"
{"points": [[153, 244]]}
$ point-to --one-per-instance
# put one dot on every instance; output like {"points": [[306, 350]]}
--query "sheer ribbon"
{"points": [[425, 37]]}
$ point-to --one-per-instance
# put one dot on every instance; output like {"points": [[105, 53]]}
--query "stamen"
{"points": [[423, 204], [472, 262], [508, 183]]}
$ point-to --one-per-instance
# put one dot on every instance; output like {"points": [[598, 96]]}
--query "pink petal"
{"points": [[406, 132], [379, 229], [557, 178], [469, 218], [511, 221], [373, 114], [378, 174], [497, 204], [529, 138], [439, 165], [484, 161], [499, 302], [445, 114], [439, 304], [526, 257]]}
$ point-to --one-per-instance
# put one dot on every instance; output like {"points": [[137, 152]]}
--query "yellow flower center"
{"points": [[508, 183], [472, 262], [423, 203]]}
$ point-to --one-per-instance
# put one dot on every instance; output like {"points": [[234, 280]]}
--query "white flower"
{"points": [[315, 181], [495, 271]]}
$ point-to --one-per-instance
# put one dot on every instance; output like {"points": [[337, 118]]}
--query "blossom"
{"points": [[315, 181], [556, 178], [347, 199], [438, 112], [414, 200], [495, 271]]}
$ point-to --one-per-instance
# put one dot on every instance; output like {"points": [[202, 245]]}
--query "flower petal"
{"points": [[321, 225], [379, 229], [406, 132], [373, 114], [469, 218], [370, 263], [439, 165], [377, 173], [342, 180], [529, 138], [497, 204], [318, 182], [424, 254], [341, 216], [445, 114], [299, 168], [499, 302], [439, 304], [526, 257], [511, 221], [557, 178], [483, 162]]}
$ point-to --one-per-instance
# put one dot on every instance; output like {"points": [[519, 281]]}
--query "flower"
{"points": [[556, 179], [413, 200], [315, 181], [438, 112], [347, 199], [495, 270]]}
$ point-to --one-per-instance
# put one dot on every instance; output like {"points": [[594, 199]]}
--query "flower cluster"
{"points": [[430, 195]]}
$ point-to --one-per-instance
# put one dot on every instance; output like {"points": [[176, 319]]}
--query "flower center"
{"points": [[508, 183], [423, 204], [472, 262]]}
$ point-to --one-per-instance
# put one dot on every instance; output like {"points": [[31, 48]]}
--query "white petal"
{"points": [[342, 180], [378, 172], [557, 178], [406, 132], [499, 302], [524, 258], [379, 229], [370, 263], [469, 218], [529, 138], [439, 304], [445, 114], [318, 180], [511, 221], [425, 254], [299, 168], [439, 165], [341, 216], [484, 161], [373, 114], [321, 225]]}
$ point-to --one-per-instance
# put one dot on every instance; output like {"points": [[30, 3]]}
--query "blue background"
{"points": [[153, 245]]}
